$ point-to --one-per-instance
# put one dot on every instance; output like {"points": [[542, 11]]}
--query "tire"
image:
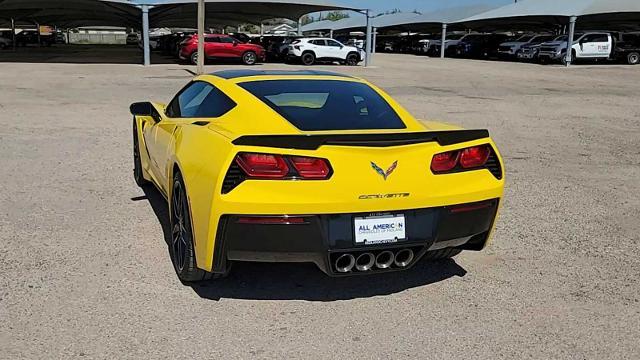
{"points": [[441, 254], [249, 58], [308, 59], [633, 58], [181, 246], [564, 58], [194, 58], [137, 163], [352, 59]]}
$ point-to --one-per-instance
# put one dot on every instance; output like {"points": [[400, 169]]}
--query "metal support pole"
{"points": [[300, 26], [331, 33], [443, 41], [367, 59], [38, 32], [261, 29], [201, 56], [146, 50], [572, 30], [373, 40], [13, 33]]}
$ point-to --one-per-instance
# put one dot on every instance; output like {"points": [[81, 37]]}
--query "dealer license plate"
{"points": [[379, 229]]}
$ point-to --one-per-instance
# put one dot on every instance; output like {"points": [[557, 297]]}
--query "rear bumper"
{"points": [[321, 239]]}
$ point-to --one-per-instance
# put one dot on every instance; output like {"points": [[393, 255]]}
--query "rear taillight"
{"points": [[263, 166], [474, 156], [464, 159], [271, 166], [310, 168], [445, 161]]}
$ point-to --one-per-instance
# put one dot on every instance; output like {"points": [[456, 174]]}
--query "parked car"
{"points": [[60, 37], [480, 45], [5, 43], [220, 46], [311, 50], [277, 46], [529, 51], [30, 37], [421, 47], [132, 38], [450, 43], [627, 49], [590, 45], [512, 49]]}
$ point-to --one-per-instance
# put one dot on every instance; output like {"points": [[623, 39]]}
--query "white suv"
{"points": [[310, 50]]}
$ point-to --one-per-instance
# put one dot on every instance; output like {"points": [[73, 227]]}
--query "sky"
{"points": [[379, 6], [421, 5]]}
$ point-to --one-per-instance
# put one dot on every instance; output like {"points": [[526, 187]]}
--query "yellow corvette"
{"points": [[309, 166]]}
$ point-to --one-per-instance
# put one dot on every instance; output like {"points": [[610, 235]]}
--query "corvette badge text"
{"points": [[384, 196]]}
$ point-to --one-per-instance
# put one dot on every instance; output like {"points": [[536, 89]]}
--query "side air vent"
{"points": [[493, 165], [234, 177]]}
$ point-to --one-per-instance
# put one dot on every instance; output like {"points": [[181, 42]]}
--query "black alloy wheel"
{"points": [[352, 59], [137, 163], [308, 59]]}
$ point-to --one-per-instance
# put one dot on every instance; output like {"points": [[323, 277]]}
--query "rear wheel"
{"points": [[441, 254], [137, 163], [308, 58], [633, 58], [571, 58], [352, 59], [249, 58], [194, 58], [181, 246]]}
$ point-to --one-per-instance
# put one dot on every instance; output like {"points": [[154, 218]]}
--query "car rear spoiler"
{"points": [[313, 142]]}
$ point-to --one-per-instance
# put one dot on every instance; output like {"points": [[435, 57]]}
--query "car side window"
{"points": [[226, 40], [200, 100], [212, 39], [333, 43], [600, 38], [319, 42]]}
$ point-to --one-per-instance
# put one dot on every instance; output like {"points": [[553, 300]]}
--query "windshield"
{"points": [[316, 105], [525, 38]]}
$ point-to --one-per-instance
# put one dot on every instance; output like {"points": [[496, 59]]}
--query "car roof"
{"points": [[234, 74]]}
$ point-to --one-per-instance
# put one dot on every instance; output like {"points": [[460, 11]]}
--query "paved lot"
{"points": [[85, 272]]}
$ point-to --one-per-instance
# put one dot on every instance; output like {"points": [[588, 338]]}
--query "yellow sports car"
{"points": [[310, 166]]}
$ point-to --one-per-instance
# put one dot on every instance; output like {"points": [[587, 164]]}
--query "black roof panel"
{"points": [[232, 74]]}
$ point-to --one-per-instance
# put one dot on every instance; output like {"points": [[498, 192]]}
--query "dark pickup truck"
{"points": [[627, 49]]}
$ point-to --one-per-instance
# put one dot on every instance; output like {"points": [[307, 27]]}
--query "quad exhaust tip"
{"points": [[345, 263], [365, 262], [384, 260], [403, 258]]}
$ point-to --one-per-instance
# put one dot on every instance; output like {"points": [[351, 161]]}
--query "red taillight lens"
{"points": [[263, 166], [474, 156], [310, 168], [444, 161]]}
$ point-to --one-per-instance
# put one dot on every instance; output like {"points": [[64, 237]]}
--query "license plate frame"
{"points": [[379, 229]]}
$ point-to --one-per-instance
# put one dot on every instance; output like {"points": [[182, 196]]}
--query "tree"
{"points": [[336, 15]]}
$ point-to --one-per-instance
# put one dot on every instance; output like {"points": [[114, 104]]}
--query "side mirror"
{"points": [[145, 109], [235, 42]]}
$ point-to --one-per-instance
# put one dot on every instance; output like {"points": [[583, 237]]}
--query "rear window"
{"points": [[316, 105]]}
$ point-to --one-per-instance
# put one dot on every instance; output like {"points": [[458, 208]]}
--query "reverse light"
{"points": [[271, 220], [310, 168], [263, 166]]}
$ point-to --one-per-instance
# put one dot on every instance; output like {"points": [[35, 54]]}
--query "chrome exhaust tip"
{"points": [[365, 261], [384, 260], [403, 258], [345, 263]]}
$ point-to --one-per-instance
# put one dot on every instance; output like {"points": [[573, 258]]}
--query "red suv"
{"points": [[221, 46]]}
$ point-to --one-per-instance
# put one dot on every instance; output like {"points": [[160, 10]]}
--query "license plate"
{"points": [[379, 229]]}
